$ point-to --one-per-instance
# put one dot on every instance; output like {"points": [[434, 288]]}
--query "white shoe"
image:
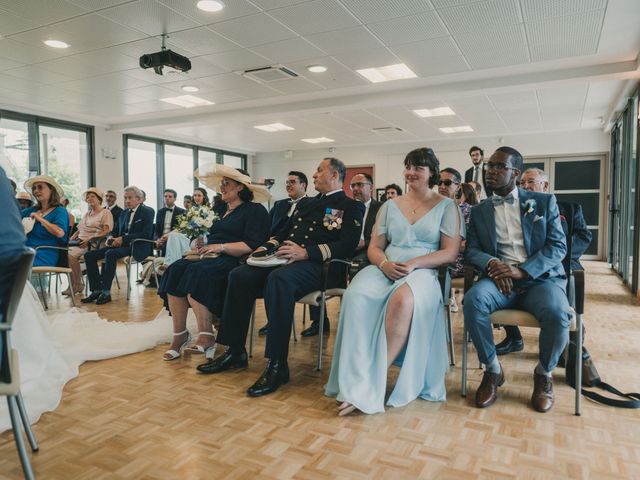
{"points": [[173, 354], [453, 306], [208, 352]]}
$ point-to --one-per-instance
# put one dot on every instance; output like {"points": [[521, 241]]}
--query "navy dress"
{"points": [[206, 280]]}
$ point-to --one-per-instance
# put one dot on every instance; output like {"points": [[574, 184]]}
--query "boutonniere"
{"points": [[529, 206], [537, 218]]}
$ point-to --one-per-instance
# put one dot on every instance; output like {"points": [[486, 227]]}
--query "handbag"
{"points": [[591, 378], [194, 256]]}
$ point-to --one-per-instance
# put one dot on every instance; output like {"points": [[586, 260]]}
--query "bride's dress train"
{"points": [[51, 348]]}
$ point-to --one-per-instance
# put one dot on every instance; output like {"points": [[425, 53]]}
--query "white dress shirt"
{"points": [[131, 215], [168, 216], [364, 219], [509, 236], [293, 204]]}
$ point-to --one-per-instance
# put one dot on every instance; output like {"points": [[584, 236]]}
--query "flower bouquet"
{"points": [[196, 221]]}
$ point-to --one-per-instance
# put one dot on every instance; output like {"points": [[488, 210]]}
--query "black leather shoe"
{"points": [[152, 283], [313, 330], [264, 330], [103, 298], [139, 281], [224, 362], [276, 374], [91, 298], [509, 345]]}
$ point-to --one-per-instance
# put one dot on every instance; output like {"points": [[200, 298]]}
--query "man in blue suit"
{"points": [[166, 219], [516, 241], [296, 185], [136, 221]]}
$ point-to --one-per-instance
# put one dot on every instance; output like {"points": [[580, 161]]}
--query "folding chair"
{"points": [[128, 261], [60, 268]]}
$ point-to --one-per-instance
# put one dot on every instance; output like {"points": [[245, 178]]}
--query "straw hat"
{"points": [[96, 191], [24, 196], [46, 179], [212, 173]]}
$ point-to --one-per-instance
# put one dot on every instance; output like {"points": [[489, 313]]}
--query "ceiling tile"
{"points": [[358, 38], [38, 74], [236, 60], [41, 12], [271, 4], [149, 17], [256, 91], [294, 86], [315, 17], [356, 59], [495, 48], [6, 64], [75, 67], [97, 4], [232, 9], [10, 23], [290, 50], [409, 29], [202, 41], [508, 101], [149, 92], [437, 56], [253, 30], [23, 53], [227, 81], [522, 120], [480, 15], [336, 76], [540, 9], [376, 10]]}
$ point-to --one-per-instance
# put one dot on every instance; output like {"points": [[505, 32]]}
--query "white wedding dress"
{"points": [[52, 346]]}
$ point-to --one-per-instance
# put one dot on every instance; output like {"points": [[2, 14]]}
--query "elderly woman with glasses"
{"points": [[201, 285], [50, 225]]}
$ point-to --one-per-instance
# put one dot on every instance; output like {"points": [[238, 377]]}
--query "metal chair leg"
{"points": [[304, 314], [73, 299], [49, 285], [42, 292], [128, 268], [452, 352], [251, 327], [465, 346], [26, 424], [293, 326], [578, 364], [323, 306], [17, 435]]}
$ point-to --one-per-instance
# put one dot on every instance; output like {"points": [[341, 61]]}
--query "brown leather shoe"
{"points": [[542, 398], [487, 392]]}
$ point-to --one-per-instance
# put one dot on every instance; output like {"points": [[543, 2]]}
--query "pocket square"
{"points": [[537, 218]]}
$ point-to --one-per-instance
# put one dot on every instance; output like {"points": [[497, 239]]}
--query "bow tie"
{"points": [[498, 200], [169, 209]]}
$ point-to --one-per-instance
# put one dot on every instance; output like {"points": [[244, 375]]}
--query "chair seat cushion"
{"points": [[521, 318], [14, 387], [457, 282], [50, 269], [313, 298]]}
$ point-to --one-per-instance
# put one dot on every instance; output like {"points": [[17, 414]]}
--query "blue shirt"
{"points": [[40, 236]]}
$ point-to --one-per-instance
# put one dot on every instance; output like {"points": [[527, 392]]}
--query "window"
{"points": [[154, 165], [31, 145]]}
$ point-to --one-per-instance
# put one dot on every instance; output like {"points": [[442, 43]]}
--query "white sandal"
{"points": [[208, 352], [173, 354]]}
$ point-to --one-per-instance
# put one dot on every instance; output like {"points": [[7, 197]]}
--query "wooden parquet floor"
{"points": [[137, 417]]}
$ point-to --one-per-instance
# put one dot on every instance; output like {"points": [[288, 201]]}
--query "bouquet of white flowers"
{"points": [[197, 221]]}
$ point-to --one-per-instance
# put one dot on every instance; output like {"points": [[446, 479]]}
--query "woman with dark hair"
{"points": [[201, 285], [50, 221], [468, 195], [392, 310]]}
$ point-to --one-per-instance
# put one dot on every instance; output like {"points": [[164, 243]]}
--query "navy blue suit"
{"points": [[141, 227], [542, 293], [116, 211], [159, 226], [279, 214], [282, 286], [581, 238]]}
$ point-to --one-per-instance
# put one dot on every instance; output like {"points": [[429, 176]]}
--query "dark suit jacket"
{"points": [[581, 237], [544, 239], [278, 215], [159, 226], [327, 226], [468, 177], [141, 227], [115, 213], [370, 221]]}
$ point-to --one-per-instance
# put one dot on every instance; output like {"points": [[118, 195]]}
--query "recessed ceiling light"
{"points": [[434, 112], [187, 101], [274, 127], [317, 68], [56, 44], [190, 88], [318, 140], [210, 5], [398, 71], [463, 128]]}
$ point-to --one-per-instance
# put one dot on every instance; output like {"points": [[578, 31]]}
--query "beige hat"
{"points": [[212, 173], [24, 196], [46, 179], [96, 191]]}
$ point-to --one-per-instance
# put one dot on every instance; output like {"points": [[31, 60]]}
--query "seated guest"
{"points": [[392, 191], [51, 225], [135, 222], [166, 219], [323, 227], [24, 200], [111, 198], [395, 304], [535, 180], [187, 202], [92, 229], [202, 284], [296, 185], [467, 195], [177, 243], [64, 201], [218, 205], [515, 240], [479, 191]]}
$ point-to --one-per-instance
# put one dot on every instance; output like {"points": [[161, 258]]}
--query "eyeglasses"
{"points": [[225, 183], [290, 182], [529, 182], [447, 182], [498, 166], [359, 184]]}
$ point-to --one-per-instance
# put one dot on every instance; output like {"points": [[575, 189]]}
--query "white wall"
{"points": [[387, 159], [109, 160]]}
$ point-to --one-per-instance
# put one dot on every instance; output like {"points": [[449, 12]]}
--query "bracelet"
{"points": [[222, 247], [382, 263]]}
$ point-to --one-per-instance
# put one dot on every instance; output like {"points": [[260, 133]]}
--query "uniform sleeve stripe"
{"points": [[325, 251]]}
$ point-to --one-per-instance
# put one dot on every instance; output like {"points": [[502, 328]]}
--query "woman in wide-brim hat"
{"points": [[92, 230], [25, 200], [242, 227], [51, 226]]}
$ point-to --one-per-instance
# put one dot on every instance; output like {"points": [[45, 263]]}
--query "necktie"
{"points": [[128, 221], [475, 173], [498, 200]]}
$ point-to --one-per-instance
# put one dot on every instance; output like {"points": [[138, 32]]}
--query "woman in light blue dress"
{"points": [[393, 310]]}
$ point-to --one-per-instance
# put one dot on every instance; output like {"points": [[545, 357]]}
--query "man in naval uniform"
{"points": [[324, 227]]}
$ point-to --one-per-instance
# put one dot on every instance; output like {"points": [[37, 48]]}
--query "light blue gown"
{"points": [[359, 369]]}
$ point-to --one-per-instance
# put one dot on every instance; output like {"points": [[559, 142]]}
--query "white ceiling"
{"points": [[504, 66]]}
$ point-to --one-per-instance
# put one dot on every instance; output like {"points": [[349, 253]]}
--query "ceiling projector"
{"points": [[165, 58]]}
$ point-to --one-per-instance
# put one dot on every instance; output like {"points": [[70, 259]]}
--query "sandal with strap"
{"points": [[173, 354], [208, 352]]}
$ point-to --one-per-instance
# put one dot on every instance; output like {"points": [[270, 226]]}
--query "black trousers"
{"points": [[102, 281], [280, 287]]}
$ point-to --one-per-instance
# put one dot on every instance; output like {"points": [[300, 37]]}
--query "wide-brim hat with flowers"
{"points": [[96, 191], [212, 173], [46, 179]]}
